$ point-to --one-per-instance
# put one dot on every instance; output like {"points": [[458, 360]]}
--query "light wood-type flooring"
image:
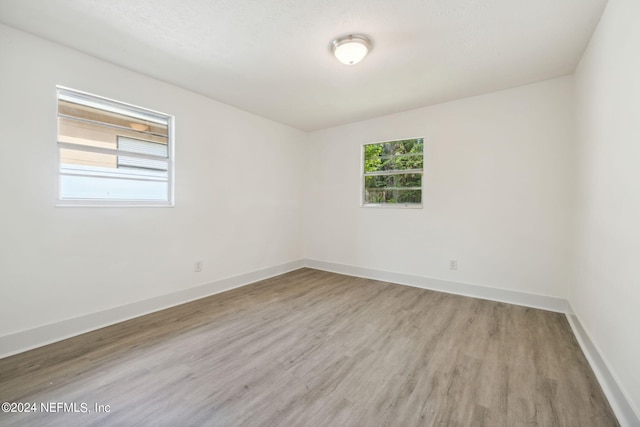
{"points": [[312, 348]]}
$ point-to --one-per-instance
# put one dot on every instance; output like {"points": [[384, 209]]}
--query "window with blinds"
{"points": [[392, 173], [112, 153]]}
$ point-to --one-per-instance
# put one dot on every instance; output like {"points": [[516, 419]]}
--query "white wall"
{"points": [[497, 192], [238, 195], [501, 173], [605, 292]]}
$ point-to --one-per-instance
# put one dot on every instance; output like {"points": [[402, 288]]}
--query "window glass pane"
{"points": [[135, 162], [85, 100], [397, 181], [109, 150], [142, 147], [96, 135], [396, 155], [75, 162], [392, 196], [100, 188], [86, 158], [98, 115], [393, 172]]}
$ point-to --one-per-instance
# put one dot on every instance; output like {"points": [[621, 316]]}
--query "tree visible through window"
{"points": [[393, 172]]}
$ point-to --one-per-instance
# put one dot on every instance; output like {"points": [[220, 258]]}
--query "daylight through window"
{"points": [[111, 153], [392, 173]]}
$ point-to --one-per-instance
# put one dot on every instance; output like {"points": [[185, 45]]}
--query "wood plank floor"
{"points": [[311, 348]]}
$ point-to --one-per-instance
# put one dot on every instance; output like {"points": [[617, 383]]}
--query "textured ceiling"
{"points": [[273, 58]]}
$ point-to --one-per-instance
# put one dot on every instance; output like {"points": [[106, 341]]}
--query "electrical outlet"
{"points": [[453, 264], [197, 266]]}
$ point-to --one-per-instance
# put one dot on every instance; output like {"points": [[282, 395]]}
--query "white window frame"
{"points": [[363, 176], [107, 104]]}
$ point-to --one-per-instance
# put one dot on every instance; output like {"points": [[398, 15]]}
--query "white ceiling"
{"points": [[273, 57]]}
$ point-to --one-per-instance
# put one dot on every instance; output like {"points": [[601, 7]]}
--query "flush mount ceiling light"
{"points": [[352, 48]]}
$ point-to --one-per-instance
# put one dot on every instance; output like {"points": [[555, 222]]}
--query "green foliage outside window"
{"points": [[393, 172]]}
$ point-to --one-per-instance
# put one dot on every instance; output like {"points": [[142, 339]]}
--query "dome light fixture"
{"points": [[352, 48]]}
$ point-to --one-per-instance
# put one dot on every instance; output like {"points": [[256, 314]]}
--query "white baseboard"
{"points": [[43, 335], [47, 334], [627, 415], [558, 305]]}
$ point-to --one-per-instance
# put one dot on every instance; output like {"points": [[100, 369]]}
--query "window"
{"points": [[111, 153], [392, 173]]}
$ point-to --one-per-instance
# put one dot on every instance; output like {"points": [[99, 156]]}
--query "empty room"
{"points": [[320, 213]]}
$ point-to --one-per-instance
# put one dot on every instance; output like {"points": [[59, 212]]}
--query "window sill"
{"points": [[393, 206], [85, 204]]}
